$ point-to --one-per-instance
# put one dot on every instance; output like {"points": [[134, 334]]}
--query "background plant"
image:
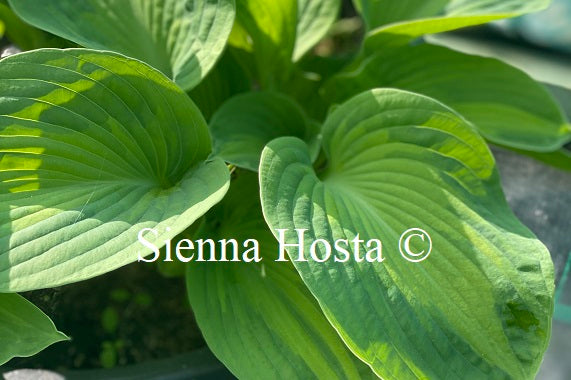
{"points": [[136, 129]]}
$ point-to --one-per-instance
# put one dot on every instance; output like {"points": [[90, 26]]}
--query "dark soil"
{"points": [[127, 316]]}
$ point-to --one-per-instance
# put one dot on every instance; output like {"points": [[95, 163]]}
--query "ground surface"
{"points": [[131, 315]]}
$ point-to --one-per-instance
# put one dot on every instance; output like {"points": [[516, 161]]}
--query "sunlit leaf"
{"points": [[183, 39], [457, 14], [259, 318], [315, 17], [268, 30], [478, 307], [506, 105], [94, 147], [24, 329], [382, 12]]}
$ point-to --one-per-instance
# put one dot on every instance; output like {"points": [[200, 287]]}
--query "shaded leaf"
{"points": [[259, 318], [506, 105], [183, 39], [24, 329], [479, 307], [560, 159], [225, 80], [308, 78], [94, 147], [246, 123], [25, 36]]}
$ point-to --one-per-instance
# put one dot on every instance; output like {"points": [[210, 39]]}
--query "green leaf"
{"points": [[381, 12], [479, 307], [560, 159], [458, 14], [24, 329], [268, 29], [183, 39], [314, 19], [309, 76], [259, 318], [225, 80], [25, 36], [94, 147], [246, 123], [506, 105]]}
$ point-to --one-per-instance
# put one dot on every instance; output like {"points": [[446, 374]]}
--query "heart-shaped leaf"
{"points": [[259, 318], [246, 123], [94, 147], [183, 39], [24, 329], [478, 307], [314, 18], [482, 89], [457, 14]]}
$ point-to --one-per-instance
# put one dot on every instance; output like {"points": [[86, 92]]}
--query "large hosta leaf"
{"points": [[506, 105], [314, 18], [259, 318], [479, 307], [246, 123], [24, 329], [94, 147], [183, 39], [457, 14]]}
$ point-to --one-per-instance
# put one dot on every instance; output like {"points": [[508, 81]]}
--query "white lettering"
{"points": [[180, 247], [255, 249], [299, 245], [342, 250], [378, 250], [314, 254], [149, 245]]}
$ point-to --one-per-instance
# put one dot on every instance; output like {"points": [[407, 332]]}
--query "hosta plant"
{"points": [[174, 124]]}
